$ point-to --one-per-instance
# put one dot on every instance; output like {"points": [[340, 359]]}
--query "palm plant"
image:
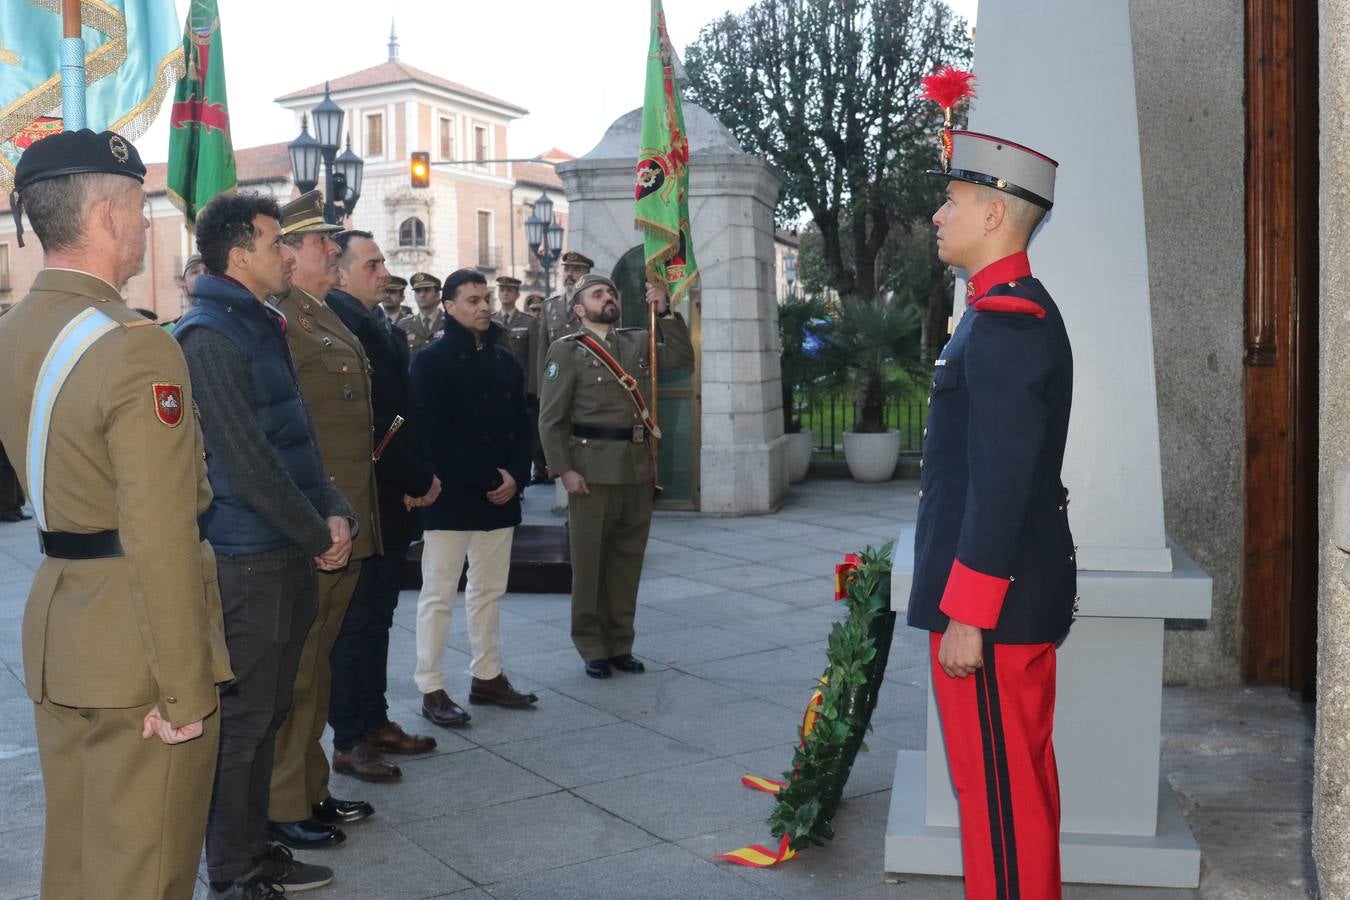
{"points": [[874, 348], [801, 367]]}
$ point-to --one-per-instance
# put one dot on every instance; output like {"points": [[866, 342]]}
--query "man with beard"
{"points": [[359, 714], [428, 323], [274, 519], [595, 432], [335, 386], [471, 406]]}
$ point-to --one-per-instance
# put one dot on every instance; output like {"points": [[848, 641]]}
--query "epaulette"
{"points": [[570, 336], [139, 322], [1008, 303], [631, 328]]}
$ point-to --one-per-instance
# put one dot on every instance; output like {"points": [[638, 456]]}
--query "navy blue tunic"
{"points": [[993, 547]]}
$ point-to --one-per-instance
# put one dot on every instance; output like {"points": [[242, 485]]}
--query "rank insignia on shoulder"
{"points": [[168, 403], [551, 372], [1005, 304]]}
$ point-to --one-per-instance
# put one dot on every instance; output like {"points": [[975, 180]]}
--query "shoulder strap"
{"points": [[71, 344], [626, 381]]}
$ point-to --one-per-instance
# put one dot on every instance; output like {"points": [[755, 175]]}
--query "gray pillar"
{"points": [[1331, 785]]}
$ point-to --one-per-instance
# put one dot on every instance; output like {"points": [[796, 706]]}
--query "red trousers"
{"points": [[997, 725]]}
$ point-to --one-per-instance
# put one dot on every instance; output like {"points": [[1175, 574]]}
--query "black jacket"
{"points": [[992, 546], [471, 407], [402, 469]]}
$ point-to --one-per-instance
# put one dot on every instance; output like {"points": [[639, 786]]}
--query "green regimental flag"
{"points": [[662, 191], [201, 156]]}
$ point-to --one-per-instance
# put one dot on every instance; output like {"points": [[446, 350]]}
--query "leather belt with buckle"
{"points": [[636, 435]]}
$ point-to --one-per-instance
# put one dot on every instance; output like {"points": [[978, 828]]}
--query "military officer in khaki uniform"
{"points": [[335, 385], [595, 439], [392, 305], [522, 334], [556, 317], [123, 643], [428, 323]]}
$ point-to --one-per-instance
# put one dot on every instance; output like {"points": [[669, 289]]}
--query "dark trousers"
{"points": [[532, 412], [360, 657], [11, 493], [608, 535], [268, 607]]}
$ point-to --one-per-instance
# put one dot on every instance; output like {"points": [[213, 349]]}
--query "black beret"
{"points": [[76, 153]]}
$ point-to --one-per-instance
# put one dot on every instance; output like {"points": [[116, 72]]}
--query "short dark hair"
{"points": [[461, 277], [343, 238], [227, 222]]}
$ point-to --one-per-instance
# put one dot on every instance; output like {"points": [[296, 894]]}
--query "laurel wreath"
{"points": [[839, 713]]}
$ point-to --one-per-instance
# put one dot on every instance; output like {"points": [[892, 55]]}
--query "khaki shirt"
{"points": [[576, 388], [420, 331], [144, 627], [522, 333], [335, 385], [556, 320]]}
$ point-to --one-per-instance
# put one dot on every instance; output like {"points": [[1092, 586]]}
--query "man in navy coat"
{"points": [[994, 570]]}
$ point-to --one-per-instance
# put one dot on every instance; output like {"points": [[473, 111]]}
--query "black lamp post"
{"points": [[544, 237], [342, 174]]}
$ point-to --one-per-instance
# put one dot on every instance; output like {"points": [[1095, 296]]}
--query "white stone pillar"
{"points": [[1331, 778]]}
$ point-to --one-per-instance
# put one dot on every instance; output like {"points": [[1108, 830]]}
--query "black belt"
{"points": [[635, 435], [68, 545]]}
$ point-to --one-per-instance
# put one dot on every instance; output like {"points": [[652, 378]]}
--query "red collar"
{"points": [[1009, 268]]}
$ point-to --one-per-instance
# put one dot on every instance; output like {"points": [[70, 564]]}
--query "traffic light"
{"points": [[421, 169]]}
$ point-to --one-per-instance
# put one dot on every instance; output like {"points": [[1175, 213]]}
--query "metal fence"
{"points": [[828, 416]]}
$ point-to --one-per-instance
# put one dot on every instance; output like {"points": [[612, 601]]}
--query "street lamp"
{"points": [[342, 174], [544, 237]]}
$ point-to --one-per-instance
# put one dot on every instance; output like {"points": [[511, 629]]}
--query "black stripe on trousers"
{"points": [[998, 786]]}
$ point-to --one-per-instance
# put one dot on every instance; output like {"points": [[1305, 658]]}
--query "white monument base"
{"points": [[1169, 858], [1108, 723]]}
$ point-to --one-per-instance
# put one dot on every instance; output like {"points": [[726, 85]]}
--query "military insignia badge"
{"points": [[168, 403], [305, 323], [118, 148], [551, 373]]}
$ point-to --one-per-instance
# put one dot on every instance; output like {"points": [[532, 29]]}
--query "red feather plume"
{"points": [[948, 86]]}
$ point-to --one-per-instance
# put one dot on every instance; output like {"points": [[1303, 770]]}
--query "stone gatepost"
{"points": [[1331, 778], [742, 467]]}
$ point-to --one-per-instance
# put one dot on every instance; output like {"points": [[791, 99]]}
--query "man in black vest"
{"points": [[359, 713], [274, 517]]}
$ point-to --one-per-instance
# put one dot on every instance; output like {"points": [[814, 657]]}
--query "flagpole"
{"points": [[72, 67], [654, 367]]}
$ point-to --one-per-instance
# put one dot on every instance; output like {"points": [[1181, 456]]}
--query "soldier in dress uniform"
{"points": [[595, 434], [534, 304], [556, 316], [335, 385], [428, 323], [522, 333], [123, 642], [994, 568], [395, 310]]}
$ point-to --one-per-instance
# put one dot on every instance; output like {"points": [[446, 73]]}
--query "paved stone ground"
{"points": [[629, 788]]}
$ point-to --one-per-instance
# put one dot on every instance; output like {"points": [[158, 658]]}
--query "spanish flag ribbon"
{"points": [[760, 783], [842, 572], [758, 857]]}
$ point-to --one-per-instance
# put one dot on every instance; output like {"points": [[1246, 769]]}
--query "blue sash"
{"points": [[78, 336]]}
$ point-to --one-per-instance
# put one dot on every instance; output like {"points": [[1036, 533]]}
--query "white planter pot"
{"points": [[871, 457], [799, 455]]}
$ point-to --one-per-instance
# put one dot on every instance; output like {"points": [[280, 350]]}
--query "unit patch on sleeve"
{"points": [[551, 373], [168, 403]]}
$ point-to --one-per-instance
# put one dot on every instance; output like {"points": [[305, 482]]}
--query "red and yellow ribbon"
{"points": [[843, 573], [758, 857], [762, 784]]}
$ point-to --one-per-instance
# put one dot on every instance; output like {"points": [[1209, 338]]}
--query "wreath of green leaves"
{"points": [[859, 647]]}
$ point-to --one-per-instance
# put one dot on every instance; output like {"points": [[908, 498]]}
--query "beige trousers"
{"points": [[443, 554]]}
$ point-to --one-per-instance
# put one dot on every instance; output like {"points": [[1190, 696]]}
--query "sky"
{"points": [[576, 66]]}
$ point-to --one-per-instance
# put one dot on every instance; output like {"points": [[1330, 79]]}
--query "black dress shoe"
{"points": [[332, 811], [627, 663], [599, 668], [440, 709], [309, 834]]}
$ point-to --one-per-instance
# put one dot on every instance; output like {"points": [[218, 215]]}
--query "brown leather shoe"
{"points": [[499, 691], [439, 708], [390, 738], [365, 763]]}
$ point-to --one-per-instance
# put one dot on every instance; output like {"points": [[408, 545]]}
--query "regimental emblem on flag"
{"points": [[168, 403], [201, 155]]}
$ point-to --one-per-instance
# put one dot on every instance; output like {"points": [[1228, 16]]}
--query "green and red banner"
{"points": [[662, 189], [201, 155]]}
